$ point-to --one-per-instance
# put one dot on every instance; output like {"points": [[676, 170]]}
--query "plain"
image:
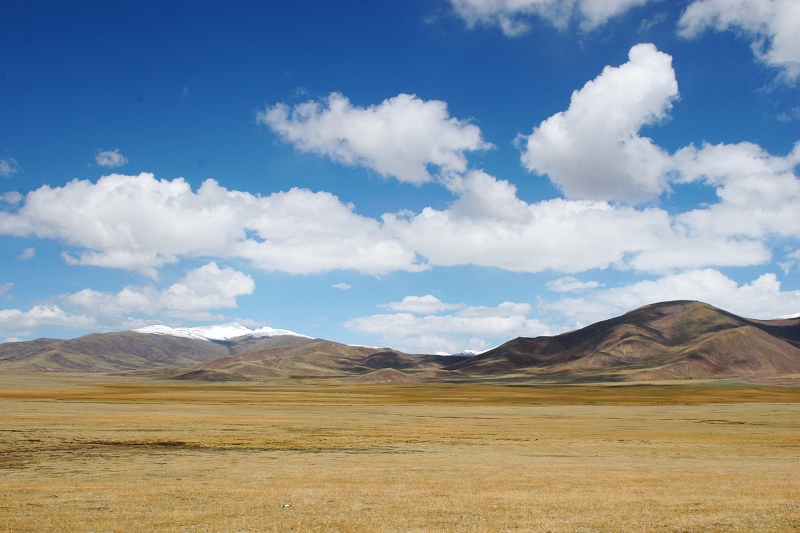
{"points": [[102, 454]]}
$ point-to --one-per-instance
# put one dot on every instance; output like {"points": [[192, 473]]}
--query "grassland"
{"points": [[83, 453]]}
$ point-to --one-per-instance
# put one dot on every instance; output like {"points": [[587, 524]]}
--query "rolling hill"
{"points": [[664, 341], [670, 340], [323, 358], [128, 350]]}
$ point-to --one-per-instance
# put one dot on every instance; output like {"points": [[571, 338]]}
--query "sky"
{"points": [[430, 175]]}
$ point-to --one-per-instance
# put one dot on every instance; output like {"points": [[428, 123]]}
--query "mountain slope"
{"points": [[670, 340], [323, 358], [107, 352], [129, 350]]}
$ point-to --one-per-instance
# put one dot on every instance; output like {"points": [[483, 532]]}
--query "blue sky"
{"points": [[430, 175]]}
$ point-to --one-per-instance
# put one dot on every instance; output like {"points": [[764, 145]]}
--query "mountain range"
{"points": [[663, 341]]}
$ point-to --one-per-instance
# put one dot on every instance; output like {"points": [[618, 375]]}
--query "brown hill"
{"points": [[115, 352], [323, 358], [671, 340]]}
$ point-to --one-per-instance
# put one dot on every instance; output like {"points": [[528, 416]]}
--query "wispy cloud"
{"points": [[513, 17], [27, 253], [8, 167], [110, 158]]}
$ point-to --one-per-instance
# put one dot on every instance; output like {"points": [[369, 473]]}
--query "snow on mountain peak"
{"points": [[219, 332]]}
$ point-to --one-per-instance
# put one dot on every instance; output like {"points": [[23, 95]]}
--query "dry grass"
{"points": [[79, 455]]}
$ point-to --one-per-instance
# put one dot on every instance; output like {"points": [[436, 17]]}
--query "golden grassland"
{"points": [[112, 454]]}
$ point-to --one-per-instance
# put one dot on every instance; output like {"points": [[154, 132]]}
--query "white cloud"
{"points": [[199, 292], [790, 116], [470, 327], [422, 304], [14, 322], [194, 297], [12, 197], [568, 235], [593, 150], [27, 253], [790, 262], [8, 167], [342, 286], [481, 196], [560, 235], [110, 158], [761, 298], [570, 284], [140, 223], [5, 288], [401, 137], [759, 193], [512, 16], [771, 26]]}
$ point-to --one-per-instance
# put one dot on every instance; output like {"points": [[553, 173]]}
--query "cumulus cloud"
{"points": [[593, 150], [513, 16], [402, 137], [342, 286], [469, 327], [771, 25], [140, 223], [8, 167], [27, 253], [422, 304], [17, 323], [194, 297], [200, 291], [759, 192], [761, 298], [110, 158]]}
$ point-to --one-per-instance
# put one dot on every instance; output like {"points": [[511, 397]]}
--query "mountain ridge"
{"points": [[664, 341]]}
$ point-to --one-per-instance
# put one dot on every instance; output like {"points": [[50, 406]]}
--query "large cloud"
{"points": [[140, 223], [469, 327], [489, 225], [511, 16], [401, 137], [17, 323], [761, 298], [194, 297], [759, 192], [202, 290], [772, 26], [593, 150]]}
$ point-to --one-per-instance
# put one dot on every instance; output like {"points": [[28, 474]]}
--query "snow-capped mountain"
{"points": [[465, 353], [219, 332]]}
